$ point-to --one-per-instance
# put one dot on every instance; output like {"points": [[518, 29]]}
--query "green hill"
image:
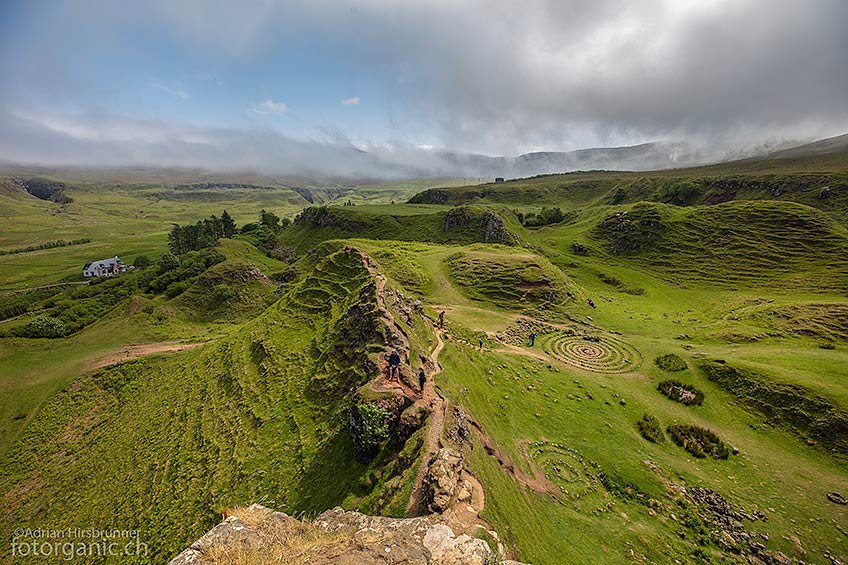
{"points": [[693, 412]]}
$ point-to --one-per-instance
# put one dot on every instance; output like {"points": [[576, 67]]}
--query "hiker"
{"points": [[532, 339], [394, 365], [442, 320], [481, 344], [422, 378], [591, 302]]}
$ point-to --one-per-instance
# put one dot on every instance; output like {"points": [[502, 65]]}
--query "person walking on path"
{"points": [[532, 339], [422, 378], [442, 320], [394, 365]]}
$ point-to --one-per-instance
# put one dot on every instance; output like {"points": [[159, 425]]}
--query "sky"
{"points": [[308, 86]]}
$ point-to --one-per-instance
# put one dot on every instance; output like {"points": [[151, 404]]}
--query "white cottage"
{"points": [[105, 268]]}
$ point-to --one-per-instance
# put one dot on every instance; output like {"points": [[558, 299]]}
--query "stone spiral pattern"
{"points": [[599, 355]]}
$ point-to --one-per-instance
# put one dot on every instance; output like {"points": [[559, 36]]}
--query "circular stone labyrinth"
{"points": [[596, 354], [577, 478]]}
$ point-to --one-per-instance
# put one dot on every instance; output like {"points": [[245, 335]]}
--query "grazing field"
{"points": [[683, 399]]}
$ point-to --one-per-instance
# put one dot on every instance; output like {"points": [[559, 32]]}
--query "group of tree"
{"points": [[263, 234], [204, 233], [546, 216]]}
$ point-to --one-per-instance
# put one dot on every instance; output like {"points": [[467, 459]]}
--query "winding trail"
{"points": [[130, 352], [435, 426]]}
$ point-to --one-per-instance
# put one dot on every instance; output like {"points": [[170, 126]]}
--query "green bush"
{"points": [[374, 422], [670, 362], [650, 429], [142, 261], [698, 441], [44, 326], [177, 288], [546, 216]]}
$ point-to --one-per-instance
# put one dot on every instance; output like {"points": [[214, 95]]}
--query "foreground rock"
{"points": [[258, 534], [445, 482]]}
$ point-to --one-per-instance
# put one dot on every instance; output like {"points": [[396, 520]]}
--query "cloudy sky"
{"points": [[273, 85]]}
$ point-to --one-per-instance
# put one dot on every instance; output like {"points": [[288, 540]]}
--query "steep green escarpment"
{"points": [[163, 445], [735, 243], [804, 412]]}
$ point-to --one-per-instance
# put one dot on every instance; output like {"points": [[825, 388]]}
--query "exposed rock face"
{"points": [[494, 229], [444, 481], [491, 225], [46, 190], [342, 538]]}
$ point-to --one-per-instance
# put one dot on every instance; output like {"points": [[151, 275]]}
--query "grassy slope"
{"points": [[715, 275], [166, 444], [33, 370]]}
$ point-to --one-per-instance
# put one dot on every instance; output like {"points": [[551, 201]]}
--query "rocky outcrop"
{"points": [[444, 481], [258, 534], [491, 226], [47, 190]]}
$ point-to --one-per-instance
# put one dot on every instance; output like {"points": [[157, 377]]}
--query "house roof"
{"points": [[104, 263]]}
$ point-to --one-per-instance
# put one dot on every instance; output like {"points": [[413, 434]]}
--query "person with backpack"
{"points": [[422, 378], [532, 339], [394, 365]]}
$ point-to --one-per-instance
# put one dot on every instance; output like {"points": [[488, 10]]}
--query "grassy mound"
{"points": [[400, 265], [509, 279], [467, 224], [671, 362], [698, 441], [651, 429], [679, 392], [801, 410]]}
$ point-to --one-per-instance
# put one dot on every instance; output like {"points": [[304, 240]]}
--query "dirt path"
{"points": [[135, 351], [510, 349], [435, 426]]}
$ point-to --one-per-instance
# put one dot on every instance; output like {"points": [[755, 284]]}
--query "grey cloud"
{"points": [[503, 77]]}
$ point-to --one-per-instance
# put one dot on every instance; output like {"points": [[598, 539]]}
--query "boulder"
{"points": [[444, 479]]}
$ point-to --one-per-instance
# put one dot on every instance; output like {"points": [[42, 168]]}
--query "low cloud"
{"points": [[485, 76], [270, 107]]}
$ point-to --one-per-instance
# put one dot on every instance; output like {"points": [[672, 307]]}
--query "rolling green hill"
{"points": [[694, 413]]}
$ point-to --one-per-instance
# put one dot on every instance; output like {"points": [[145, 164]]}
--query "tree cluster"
{"points": [[204, 233], [546, 216]]}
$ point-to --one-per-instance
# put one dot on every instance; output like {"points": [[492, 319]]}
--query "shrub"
{"points": [[375, 428], [545, 217], [142, 261], [44, 326], [177, 288], [679, 392], [698, 441], [670, 362], [650, 429]]}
